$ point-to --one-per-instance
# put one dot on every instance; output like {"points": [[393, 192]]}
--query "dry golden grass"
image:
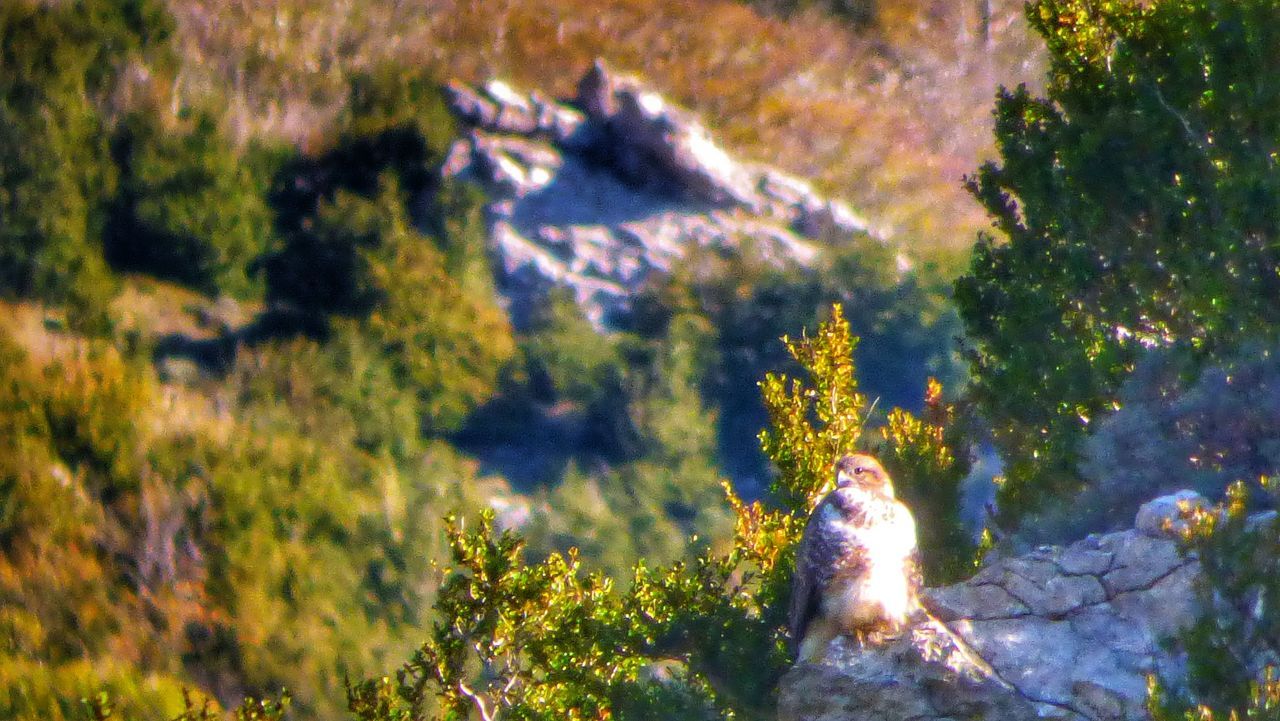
{"points": [[156, 308], [152, 309], [890, 118]]}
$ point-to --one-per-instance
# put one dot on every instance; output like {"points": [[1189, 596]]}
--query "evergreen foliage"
{"points": [[56, 174], [1180, 425], [359, 257], [190, 208], [927, 455], [211, 555], [662, 438], [1136, 197]]}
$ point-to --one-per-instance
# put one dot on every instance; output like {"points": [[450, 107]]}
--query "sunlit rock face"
{"points": [[1065, 632], [598, 193]]}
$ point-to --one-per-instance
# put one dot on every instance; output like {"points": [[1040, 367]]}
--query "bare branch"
{"points": [[478, 700]]}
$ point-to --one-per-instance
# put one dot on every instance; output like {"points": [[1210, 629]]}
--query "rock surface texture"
{"points": [[596, 194], [1061, 633]]}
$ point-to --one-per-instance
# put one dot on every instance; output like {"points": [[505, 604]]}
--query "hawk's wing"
{"points": [[821, 552], [805, 593]]}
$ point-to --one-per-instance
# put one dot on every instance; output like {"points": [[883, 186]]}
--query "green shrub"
{"points": [[56, 174], [1136, 201], [1181, 424], [663, 484], [566, 358], [360, 258], [68, 470], [391, 96], [80, 690], [396, 123], [928, 459], [289, 543], [190, 207]]}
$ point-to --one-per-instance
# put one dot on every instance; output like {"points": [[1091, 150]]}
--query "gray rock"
{"points": [[596, 91], [1163, 516], [927, 673], [599, 197], [469, 106], [1140, 561]]}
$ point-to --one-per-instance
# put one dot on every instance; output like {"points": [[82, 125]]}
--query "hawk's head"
{"points": [[863, 471]]}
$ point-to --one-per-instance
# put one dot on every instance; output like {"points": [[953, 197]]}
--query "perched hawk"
{"points": [[857, 569]]}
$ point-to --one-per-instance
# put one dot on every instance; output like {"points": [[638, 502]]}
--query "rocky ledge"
{"points": [[1061, 633], [598, 193]]}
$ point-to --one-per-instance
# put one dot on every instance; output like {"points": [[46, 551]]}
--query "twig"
{"points": [[476, 699], [1186, 124], [870, 409]]}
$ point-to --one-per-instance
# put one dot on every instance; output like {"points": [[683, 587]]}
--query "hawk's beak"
{"points": [[843, 480]]}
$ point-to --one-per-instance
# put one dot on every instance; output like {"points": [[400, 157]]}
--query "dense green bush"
{"points": [[360, 258], [566, 358], [148, 554], [1135, 201], [395, 123], [56, 174], [80, 690], [369, 233], [190, 207], [67, 473], [663, 484]]}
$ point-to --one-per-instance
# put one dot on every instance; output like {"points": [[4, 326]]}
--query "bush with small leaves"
{"points": [[360, 258], [1233, 648], [190, 207], [56, 174]]}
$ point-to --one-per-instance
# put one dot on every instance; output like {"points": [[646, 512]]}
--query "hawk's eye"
{"points": [[859, 470]]}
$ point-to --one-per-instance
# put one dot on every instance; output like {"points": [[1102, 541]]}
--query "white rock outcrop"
{"points": [[1061, 633], [596, 194]]}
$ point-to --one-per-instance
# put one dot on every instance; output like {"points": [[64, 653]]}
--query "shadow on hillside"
{"points": [[533, 444], [310, 279], [216, 356], [582, 193]]}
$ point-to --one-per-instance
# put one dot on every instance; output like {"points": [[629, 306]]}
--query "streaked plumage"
{"points": [[857, 568]]}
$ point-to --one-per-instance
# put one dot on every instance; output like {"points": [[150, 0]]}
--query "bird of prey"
{"points": [[857, 568]]}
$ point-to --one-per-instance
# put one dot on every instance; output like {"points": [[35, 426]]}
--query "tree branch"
{"points": [[478, 700]]}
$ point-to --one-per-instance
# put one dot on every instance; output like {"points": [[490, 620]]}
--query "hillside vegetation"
{"points": [[239, 358], [246, 332]]}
